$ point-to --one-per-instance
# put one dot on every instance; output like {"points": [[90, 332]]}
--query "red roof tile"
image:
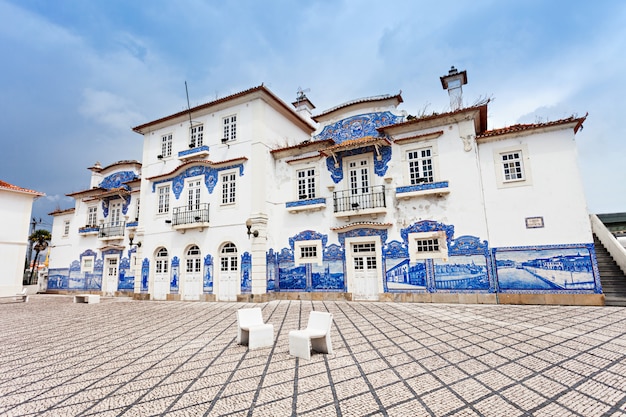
{"points": [[531, 126], [10, 187]]}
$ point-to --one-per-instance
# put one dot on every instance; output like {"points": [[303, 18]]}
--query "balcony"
{"points": [[439, 189], [111, 231], [88, 230], [362, 201], [184, 218], [196, 152]]}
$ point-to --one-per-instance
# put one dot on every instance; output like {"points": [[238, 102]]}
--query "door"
{"points": [[161, 275], [192, 281], [365, 271], [359, 182], [193, 195], [111, 275], [228, 287]]}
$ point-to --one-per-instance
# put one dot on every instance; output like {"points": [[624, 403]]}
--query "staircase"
{"points": [[612, 278]]}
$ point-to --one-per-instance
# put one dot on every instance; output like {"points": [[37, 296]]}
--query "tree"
{"points": [[40, 238]]}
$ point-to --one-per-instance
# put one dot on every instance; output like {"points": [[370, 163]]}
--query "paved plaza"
{"points": [[148, 358]]}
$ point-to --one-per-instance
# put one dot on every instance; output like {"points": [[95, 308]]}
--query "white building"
{"points": [[246, 197], [16, 205]]}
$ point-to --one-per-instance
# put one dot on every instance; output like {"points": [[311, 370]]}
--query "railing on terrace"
{"points": [[185, 215], [359, 199], [115, 229]]}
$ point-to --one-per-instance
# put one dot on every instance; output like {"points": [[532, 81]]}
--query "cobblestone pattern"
{"points": [[147, 358]]}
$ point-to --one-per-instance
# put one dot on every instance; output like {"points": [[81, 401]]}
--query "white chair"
{"points": [[316, 336], [252, 331]]}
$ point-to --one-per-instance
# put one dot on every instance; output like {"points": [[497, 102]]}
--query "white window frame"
{"points": [[66, 228], [196, 135], [524, 161], [166, 145], [309, 181], [418, 171], [87, 264], [229, 188], [229, 126], [163, 199], [137, 209], [434, 160], [307, 245], [416, 254], [92, 216]]}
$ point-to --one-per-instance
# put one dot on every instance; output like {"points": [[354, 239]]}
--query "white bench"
{"points": [[87, 298], [315, 337], [252, 331], [23, 296]]}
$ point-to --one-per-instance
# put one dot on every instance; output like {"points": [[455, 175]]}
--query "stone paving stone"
{"points": [[180, 359]]}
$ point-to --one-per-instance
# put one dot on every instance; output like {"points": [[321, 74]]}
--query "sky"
{"points": [[77, 75]]}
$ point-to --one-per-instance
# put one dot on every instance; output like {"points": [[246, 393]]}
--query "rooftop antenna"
{"points": [[188, 106]]}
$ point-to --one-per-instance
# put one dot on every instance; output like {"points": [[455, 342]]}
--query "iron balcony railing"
{"points": [[185, 215], [115, 229], [359, 198]]}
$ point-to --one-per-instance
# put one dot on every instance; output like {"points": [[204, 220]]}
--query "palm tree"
{"points": [[40, 238]]}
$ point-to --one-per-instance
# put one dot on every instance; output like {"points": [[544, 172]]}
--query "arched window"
{"points": [[193, 259], [229, 260], [162, 261]]}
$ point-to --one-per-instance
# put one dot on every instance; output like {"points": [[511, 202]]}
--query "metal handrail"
{"points": [[184, 215], [359, 199], [114, 229]]}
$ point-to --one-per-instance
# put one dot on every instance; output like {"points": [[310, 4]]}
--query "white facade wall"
{"points": [[465, 212], [553, 192], [15, 210]]}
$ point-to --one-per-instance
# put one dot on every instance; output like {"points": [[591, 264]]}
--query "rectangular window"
{"points": [[137, 211], [427, 245], [87, 265], [228, 188], [420, 166], [166, 145], [308, 252], [92, 216], [164, 199], [230, 127], [196, 136], [512, 167], [66, 228], [306, 183]]}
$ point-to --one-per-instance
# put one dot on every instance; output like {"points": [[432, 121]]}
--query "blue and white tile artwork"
{"points": [[207, 280], [246, 272], [400, 275], [462, 272], [547, 268]]}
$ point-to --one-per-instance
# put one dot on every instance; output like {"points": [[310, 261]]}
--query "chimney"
{"points": [[453, 82], [303, 106]]}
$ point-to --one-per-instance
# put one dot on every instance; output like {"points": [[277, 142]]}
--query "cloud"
{"points": [[109, 109]]}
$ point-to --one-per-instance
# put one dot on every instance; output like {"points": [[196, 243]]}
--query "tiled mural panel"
{"points": [[470, 266], [564, 268]]}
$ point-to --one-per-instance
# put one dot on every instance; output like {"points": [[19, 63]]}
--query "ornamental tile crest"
{"points": [[117, 180], [363, 232], [308, 235], [210, 177], [395, 250], [358, 126], [175, 261], [333, 252], [428, 226], [468, 245], [285, 255]]}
